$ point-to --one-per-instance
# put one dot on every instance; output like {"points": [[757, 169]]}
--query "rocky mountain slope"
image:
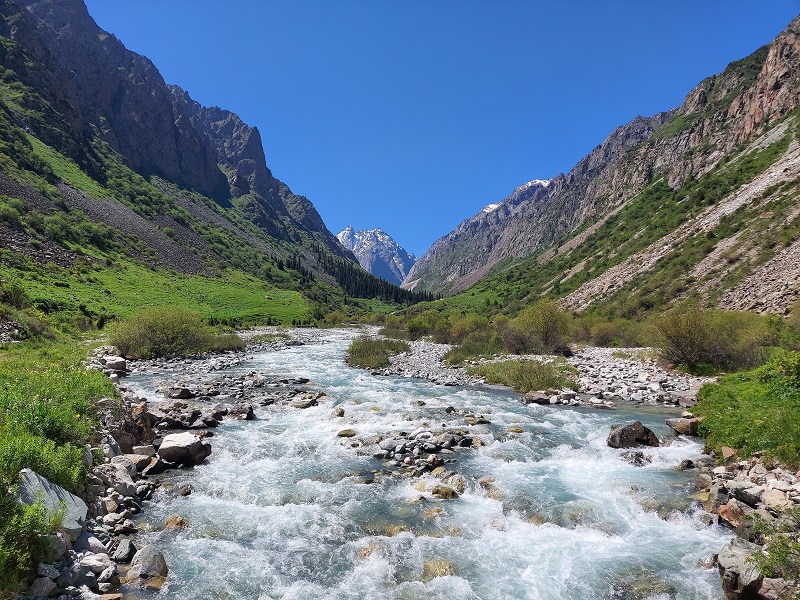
{"points": [[91, 133], [378, 253], [699, 199]]}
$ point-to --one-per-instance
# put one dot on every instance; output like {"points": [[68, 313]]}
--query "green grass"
{"points": [[47, 414], [66, 169], [373, 353], [527, 375], [757, 410]]}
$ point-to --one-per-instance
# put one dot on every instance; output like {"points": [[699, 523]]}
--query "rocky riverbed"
{"points": [[152, 443]]}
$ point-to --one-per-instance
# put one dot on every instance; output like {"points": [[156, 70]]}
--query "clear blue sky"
{"points": [[411, 115]]}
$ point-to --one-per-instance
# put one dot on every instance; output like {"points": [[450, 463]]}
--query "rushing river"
{"points": [[284, 508]]}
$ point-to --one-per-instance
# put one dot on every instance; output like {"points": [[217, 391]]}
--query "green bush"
{"points": [[706, 341], [781, 537], [373, 353], [527, 375], [166, 331], [542, 327], [21, 542], [13, 293]]}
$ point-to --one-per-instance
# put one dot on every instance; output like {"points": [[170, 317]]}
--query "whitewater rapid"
{"points": [[284, 508]]}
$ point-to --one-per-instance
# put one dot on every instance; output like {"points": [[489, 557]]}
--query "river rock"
{"points": [[55, 547], [684, 426], [184, 449], [776, 501], [148, 568], [88, 542], [746, 491], [180, 393], [734, 512], [115, 363], [631, 435], [534, 397], [96, 563], [33, 487], [41, 587], [125, 551], [176, 522], [346, 433], [741, 579]]}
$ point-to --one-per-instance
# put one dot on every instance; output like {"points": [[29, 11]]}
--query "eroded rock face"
{"points": [[631, 435]]}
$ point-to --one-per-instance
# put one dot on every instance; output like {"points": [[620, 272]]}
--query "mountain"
{"points": [[701, 199], [102, 161], [378, 253]]}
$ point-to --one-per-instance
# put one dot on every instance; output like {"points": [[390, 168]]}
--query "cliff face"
{"points": [[79, 90], [720, 115], [121, 97]]}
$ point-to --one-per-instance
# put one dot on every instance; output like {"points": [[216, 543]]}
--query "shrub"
{"points": [[373, 353], [162, 331], [21, 543], [527, 375], [704, 340], [541, 327], [781, 537], [12, 292]]}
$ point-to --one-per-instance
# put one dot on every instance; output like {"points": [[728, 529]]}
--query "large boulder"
{"points": [[148, 568], [33, 487], [631, 435], [741, 579], [184, 449]]}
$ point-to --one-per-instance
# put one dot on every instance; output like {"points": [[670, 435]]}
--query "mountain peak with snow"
{"points": [[378, 253]]}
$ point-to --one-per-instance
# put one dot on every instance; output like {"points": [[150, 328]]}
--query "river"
{"points": [[284, 508]]}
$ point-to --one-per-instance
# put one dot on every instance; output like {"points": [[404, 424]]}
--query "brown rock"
{"points": [[176, 522], [733, 512]]}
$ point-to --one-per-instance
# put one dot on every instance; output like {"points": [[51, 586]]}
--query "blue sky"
{"points": [[411, 115]]}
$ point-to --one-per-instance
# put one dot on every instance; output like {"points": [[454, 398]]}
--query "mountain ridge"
{"points": [[378, 253]]}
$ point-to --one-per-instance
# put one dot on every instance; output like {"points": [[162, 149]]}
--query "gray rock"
{"points": [[43, 570], [125, 551], [33, 486], [116, 363], [746, 491], [55, 548], [41, 587], [741, 579], [631, 435], [90, 543], [97, 563], [184, 449], [148, 568]]}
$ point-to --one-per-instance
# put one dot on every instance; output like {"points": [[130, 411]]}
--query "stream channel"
{"points": [[283, 508]]}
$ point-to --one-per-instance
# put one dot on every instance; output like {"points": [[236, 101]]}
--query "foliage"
{"points": [[527, 375], [757, 410], [168, 331], [373, 353], [705, 340], [46, 416]]}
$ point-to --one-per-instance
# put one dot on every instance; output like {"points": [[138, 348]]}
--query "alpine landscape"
{"points": [[588, 389]]}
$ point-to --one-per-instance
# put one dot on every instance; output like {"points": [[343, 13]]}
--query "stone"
{"points": [[148, 568], [346, 433], [176, 522], [444, 492], [139, 461], [436, 567], [116, 363], [148, 450], [44, 570], [338, 412], [631, 435], [684, 426], [304, 403], [774, 589], [97, 563], [124, 552], [746, 491], [776, 501], [534, 397], [33, 487], [180, 393], [184, 449], [734, 512], [89, 542], [42, 587], [741, 578], [54, 548], [728, 454]]}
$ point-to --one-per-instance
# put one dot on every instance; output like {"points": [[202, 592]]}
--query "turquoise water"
{"points": [[281, 508]]}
